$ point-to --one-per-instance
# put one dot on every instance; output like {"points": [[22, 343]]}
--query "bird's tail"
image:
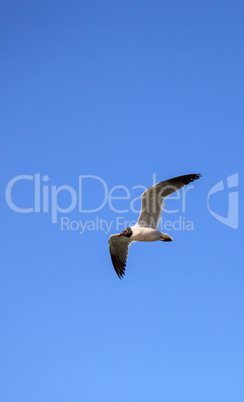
{"points": [[165, 237]]}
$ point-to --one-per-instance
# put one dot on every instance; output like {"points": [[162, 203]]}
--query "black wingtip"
{"points": [[196, 176], [189, 178], [119, 266]]}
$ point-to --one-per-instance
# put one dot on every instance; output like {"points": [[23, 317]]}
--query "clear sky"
{"points": [[127, 92]]}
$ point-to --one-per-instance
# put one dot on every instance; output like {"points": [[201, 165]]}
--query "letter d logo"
{"points": [[232, 218]]}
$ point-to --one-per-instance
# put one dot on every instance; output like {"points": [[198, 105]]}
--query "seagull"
{"points": [[146, 228]]}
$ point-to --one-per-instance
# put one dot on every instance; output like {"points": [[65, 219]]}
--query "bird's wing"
{"points": [[119, 247], [152, 199]]}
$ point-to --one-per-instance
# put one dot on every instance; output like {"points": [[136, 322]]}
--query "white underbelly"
{"points": [[145, 234]]}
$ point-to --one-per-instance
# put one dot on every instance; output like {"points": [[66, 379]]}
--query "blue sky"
{"points": [[124, 91]]}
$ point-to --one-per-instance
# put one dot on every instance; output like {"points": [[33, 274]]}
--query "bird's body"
{"points": [[146, 228], [140, 233]]}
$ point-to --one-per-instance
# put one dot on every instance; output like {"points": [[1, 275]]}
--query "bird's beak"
{"points": [[120, 235]]}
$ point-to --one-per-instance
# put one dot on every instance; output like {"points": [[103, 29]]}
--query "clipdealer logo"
{"points": [[46, 199], [232, 218]]}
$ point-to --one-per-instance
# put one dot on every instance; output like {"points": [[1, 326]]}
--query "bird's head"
{"points": [[126, 232]]}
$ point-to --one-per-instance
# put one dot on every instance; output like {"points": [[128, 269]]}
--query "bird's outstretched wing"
{"points": [[152, 199], [119, 247]]}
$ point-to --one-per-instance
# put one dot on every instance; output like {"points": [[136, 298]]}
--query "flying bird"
{"points": [[146, 228]]}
